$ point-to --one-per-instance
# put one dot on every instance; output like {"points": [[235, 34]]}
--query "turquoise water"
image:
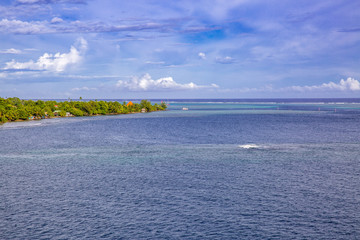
{"points": [[217, 171]]}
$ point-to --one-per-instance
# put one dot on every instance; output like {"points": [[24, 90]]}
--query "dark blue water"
{"points": [[227, 170]]}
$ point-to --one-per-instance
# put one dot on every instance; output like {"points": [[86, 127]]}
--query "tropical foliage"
{"points": [[12, 109]]}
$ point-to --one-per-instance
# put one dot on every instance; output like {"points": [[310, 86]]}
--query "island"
{"points": [[15, 109]]}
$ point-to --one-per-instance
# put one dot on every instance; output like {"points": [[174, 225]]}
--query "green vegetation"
{"points": [[12, 109]]}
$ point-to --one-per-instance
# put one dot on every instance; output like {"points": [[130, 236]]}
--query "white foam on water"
{"points": [[279, 147], [11, 125], [249, 146]]}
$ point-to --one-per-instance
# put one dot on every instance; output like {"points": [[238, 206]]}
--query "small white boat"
{"points": [[185, 109]]}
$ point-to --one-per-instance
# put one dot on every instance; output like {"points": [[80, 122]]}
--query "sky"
{"points": [[103, 49]]}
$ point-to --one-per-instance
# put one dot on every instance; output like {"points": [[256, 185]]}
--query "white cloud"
{"points": [[57, 20], [48, 1], [11, 51], [155, 63], [31, 49], [202, 55], [20, 27], [52, 62], [146, 83], [58, 25], [264, 89], [350, 84], [344, 85], [225, 60], [28, 1], [83, 89]]}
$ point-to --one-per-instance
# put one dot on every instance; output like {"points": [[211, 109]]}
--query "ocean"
{"points": [[223, 169]]}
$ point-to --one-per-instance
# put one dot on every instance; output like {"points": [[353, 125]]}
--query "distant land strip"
{"points": [[15, 109]]}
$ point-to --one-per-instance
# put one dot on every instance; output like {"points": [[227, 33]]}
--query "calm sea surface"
{"points": [[221, 170]]}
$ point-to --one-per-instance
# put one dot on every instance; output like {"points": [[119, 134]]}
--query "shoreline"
{"points": [[97, 115]]}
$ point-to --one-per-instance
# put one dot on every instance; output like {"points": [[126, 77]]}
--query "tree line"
{"points": [[12, 109]]}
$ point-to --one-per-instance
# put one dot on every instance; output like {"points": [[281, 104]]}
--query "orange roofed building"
{"points": [[130, 104]]}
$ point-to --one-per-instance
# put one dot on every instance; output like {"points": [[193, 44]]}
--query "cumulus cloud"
{"points": [[146, 83], [225, 60], [344, 85], [52, 62], [11, 51], [202, 55]]}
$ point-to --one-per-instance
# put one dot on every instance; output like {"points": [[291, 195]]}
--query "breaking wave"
{"points": [[249, 146], [282, 147]]}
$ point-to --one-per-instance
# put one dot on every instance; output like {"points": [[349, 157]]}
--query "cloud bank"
{"points": [[52, 62], [146, 83], [350, 84]]}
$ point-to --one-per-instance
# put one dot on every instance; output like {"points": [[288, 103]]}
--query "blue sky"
{"points": [[179, 49]]}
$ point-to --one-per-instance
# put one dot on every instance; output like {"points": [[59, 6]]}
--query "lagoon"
{"points": [[186, 174]]}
